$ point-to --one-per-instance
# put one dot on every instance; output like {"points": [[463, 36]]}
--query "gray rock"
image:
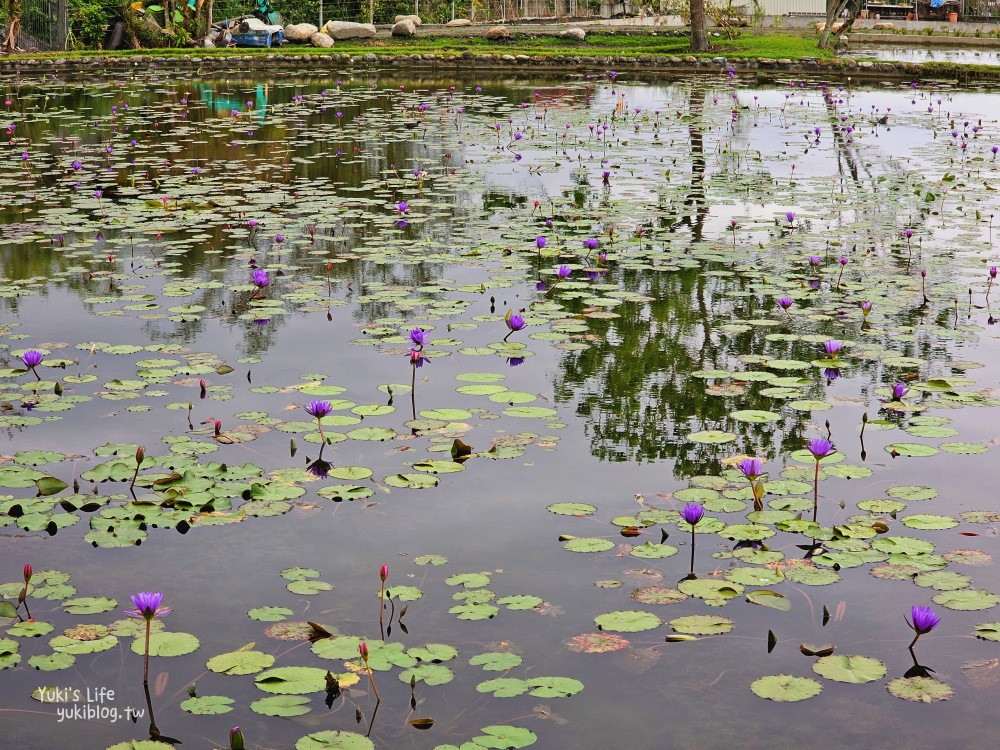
{"points": [[459, 22], [498, 32], [319, 39], [574, 33], [349, 30], [416, 19], [300, 32], [404, 27]]}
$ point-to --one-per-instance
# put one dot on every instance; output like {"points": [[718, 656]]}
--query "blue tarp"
{"points": [[937, 3]]}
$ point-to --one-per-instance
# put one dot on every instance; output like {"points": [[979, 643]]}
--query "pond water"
{"points": [[925, 54], [545, 574]]}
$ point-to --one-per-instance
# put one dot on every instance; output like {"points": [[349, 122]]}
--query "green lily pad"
{"points": [[702, 625], [920, 689], [853, 669], [166, 643], [240, 662], [207, 705], [755, 416], [292, 680], [281, 705], [712, 437], [334, 739], [572, 509], [627, 621], [431, 674], [967, 599], [768, 598], [785, 688], [502, 737], [496, 661]]}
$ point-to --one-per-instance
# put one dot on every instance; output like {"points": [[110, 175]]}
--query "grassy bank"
{"points": [[752, 44]]}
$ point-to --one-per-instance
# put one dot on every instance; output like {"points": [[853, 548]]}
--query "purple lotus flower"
{"points": [[790, 216], [515, 322], [820, 448], [751, 468], [923, 620], [318, 409], [563, 271], [692, 513], [832, 348], [843, 260], [898, 391], [77, 165], [866, 308], [814, 260], [31, 358], [260, 279], [402, 207], [279, 238], [590, 243], [540, 242], [993, 272], [908, 233], [785, 302], [418, 337], [147, 605]]}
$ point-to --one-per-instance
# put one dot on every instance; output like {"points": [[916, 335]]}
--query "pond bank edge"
{"points": [[652, 65]]}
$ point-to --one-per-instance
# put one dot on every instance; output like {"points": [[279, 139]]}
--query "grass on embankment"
{"points": [[598, 43]]}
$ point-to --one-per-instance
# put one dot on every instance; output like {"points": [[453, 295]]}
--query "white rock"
{"points": [[319, 39], [574, 33], [300, 32], [349, 30], [459, 22], [416, 19], [405, 27]]}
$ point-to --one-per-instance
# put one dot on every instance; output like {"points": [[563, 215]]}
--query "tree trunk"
{"points": [[699, 35], [833, 10]]}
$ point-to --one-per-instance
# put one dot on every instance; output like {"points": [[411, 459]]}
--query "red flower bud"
{"points": [[383, 572], [363, 650], [27, 573]]}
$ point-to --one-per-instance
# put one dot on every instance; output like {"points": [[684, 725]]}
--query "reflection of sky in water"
{"points": [[923, 54]]}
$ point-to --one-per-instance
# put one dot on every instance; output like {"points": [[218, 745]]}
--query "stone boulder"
{"points": [[300, 32], [405, 27], [574, 33], [835, 27], [319, 39], [416, 19], [884, 26], [349, 30], [498, 32], [459, 22]]}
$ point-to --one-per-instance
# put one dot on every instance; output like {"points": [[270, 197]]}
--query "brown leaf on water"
{"points": [[423, 723], [160, 684], [640, 660], [544, 712], [597, 643], [982, 673], [810, 649]]}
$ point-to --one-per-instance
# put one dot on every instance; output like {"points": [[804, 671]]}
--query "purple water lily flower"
{"points": [[814, 260], [260, 278], [751, 467], [866, 308], [993, 272], [790, 216], [923, 619], [898, 391], [418, 337], [590, 243], [692, 513], [785, 302], [402, 207], [236, 741], [563, 271], [832, 348], [540, 242], [820, 448], [515, 322], [318, 409], [31, 358], [147, 605]]}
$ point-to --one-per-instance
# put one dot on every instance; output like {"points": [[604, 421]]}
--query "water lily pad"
{"points": [[207, 705], [589, 544], [572, 509], [712, 437], [853, 669], [167, 643], [292, 680], [240, 662], [920, 689], [334, 739], [658, 595], [768, 598], [281, 705], [496, 661], [785, 688], [912, 450], [627, 621], [702, 625], [500, 737], [967, 599], [755, 416]]}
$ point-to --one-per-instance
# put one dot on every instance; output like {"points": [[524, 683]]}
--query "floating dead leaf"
{"points": [[596, 643], [640, 660], [982, 673], [631, 531], [810, 649], [289, 630], [544, 712], [423, 723]]}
